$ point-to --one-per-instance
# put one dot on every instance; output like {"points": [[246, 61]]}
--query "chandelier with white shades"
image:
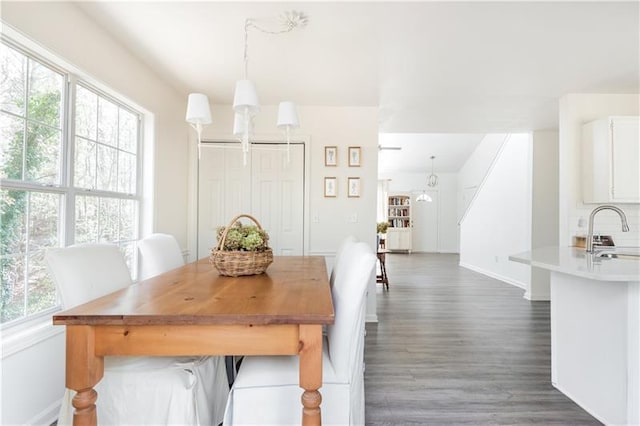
{"points": [[245, 99], [432, 181]]}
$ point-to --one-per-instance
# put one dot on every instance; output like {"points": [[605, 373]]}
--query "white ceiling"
{"points": [[450, 149], [431, 67]]}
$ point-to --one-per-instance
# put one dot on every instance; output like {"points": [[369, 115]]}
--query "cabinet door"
{"points": [[393, 239], [405, 240], [399, 239], [625, 153]]}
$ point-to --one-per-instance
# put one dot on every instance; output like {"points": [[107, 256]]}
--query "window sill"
{"points": [[17, 339]]}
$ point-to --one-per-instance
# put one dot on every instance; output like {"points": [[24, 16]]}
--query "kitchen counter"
{"points": [[577, 262], [595, 328]]}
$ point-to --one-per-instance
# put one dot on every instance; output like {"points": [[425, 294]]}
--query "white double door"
{"points": [[268, 188]]}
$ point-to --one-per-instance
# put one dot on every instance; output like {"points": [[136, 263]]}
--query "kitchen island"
{"points": [[595, 329]]}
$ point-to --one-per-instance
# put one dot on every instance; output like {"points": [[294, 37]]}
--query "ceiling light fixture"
{"points": [[432, 179], [423, 197], [245, 99], [198, 114]]}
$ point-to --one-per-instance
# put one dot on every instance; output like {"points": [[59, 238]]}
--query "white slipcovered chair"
{"points": [[136, 390], [345, 246], [266, 390], [159, 253]]}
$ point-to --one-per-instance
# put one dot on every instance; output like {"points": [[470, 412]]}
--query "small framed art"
{"points": [[330, 155], [353, 187], [354, 156], [330, 187]]}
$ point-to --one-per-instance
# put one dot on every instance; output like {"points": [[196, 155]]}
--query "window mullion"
{"points": [[30, 186], [95, 184], [139, 188], [25, 276], [69, 169], [25, 127], [117, 150]]}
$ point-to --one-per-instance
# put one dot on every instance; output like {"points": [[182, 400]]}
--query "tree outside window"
{"points": [[35, 193]]}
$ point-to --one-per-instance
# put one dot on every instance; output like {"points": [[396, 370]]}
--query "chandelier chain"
{"points": [[289, 22]]}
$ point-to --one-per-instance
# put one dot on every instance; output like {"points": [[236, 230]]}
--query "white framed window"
{"points": [[70, 168]]}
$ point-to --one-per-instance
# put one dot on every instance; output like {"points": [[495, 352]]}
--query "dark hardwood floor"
{"points": [[452, 346]]}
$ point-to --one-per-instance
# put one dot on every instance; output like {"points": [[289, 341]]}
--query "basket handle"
{"points": [[233, 221]]}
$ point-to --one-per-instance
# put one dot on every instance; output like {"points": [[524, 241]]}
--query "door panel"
{"points": [[280, 200], [220, 193], [267, 188]]}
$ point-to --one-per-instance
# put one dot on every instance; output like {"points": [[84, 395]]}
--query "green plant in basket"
{"points": [[241, 249], [244, 238]]}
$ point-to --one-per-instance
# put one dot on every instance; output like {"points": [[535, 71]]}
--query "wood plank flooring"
{"points": [[452, 346]]}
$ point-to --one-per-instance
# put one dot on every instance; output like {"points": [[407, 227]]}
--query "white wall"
{"points": [[544, 215], [447, 227], [32, 380], [575, 110], [33, 377], [474, 170], [497, 223], [329, 220]]}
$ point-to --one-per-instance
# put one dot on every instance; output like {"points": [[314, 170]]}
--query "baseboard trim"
{"points": [[491, 274], [371, 318], [577, 401], [537, 297]]}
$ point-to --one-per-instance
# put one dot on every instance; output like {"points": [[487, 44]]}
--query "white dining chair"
{"points": [[159, 253], [136, 390], [344, 247], [266, 388]]}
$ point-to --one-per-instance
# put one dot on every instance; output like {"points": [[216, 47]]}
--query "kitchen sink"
{"points": [[620, 253]]}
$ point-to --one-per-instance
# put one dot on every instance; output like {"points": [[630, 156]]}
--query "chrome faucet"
{"points": [[623, 218]]}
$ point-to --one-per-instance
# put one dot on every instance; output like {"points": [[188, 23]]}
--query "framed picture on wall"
{"points": [[330, 187], [330, 155], [354, 156], [353, 187]]}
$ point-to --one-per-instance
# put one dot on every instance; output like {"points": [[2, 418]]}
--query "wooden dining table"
{"points": [[193, 310]]}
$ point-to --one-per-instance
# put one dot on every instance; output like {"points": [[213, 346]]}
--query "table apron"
{"points": [[176, 340]]}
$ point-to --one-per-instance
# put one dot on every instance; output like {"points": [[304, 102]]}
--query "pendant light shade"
{"points": [[287, 115], [198, 111], [287, 120], [245, 98], [423, 197], [198, 114]]}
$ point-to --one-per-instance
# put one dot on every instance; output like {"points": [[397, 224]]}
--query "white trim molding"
{"points": [[498, 277], [15, 341]]}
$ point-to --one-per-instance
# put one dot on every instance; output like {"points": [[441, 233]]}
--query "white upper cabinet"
{"points": [[611, 160]]}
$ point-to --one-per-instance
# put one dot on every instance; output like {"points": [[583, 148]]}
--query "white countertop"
{"points": [[576, 261]]}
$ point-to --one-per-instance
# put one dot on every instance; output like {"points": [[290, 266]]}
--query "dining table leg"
{"points": [[83, 371], [311, 373]]}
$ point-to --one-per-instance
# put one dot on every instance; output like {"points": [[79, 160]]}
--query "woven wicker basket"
{"points": [[234, 263]]}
